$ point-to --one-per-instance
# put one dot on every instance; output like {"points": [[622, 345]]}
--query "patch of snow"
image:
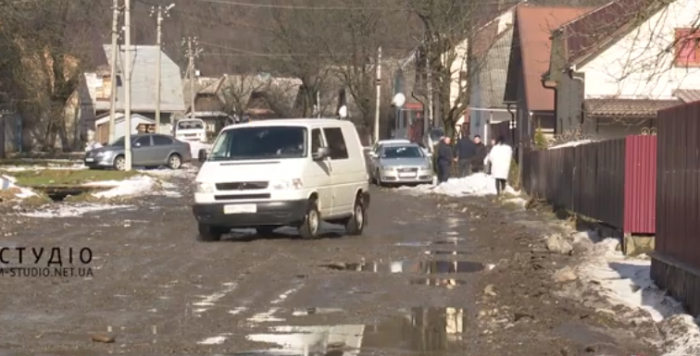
{"points": [[215, 340], [8, 182], [571, 144], [136, 185], [478, 184], [517, 201], [71, 210], [77, 166], [187, 171], [627, 280]]}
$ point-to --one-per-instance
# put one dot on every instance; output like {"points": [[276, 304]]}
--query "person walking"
{"points": [[500, 157], [480, 152], [445, 157], [466, 149]]}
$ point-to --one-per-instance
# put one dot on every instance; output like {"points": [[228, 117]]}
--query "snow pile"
{"points": [[195, 146], [478, 184], [186, 171], [571, 144], [8, 183], [136, 185], [627, 280], [69, 210], [76, 166]]}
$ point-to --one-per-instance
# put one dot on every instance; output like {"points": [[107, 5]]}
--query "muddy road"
{"points": [[430, 276]]}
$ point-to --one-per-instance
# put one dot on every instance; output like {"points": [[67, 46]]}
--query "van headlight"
{"points": [[284, 184], [205, 188]]}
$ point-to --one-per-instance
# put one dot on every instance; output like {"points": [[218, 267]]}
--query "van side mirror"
{"points": [[202, 156], [321, 154]]}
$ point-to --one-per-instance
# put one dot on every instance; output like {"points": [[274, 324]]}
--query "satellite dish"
{"points": [[343, 111], [399, 99]]}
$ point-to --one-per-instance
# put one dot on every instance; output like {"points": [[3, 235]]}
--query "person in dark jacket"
{"points": [[480, 152], [466, 149], [445, 157]]}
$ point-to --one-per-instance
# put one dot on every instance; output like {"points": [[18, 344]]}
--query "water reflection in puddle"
{"points": [[443, 241], [448, 283], [446, 253], [423, 267], [420, 330]]}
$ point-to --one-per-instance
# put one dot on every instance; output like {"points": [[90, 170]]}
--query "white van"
{"points": [[291, 172], [191, 130]]}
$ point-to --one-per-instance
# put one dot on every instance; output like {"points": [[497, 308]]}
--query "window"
{"points": [[687, 43], [336, 142], [190, 125], [161, 141], [251, 143], [143, 141], [402, 152], [316, 140]]}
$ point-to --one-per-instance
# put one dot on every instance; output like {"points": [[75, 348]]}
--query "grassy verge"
{"points": [[46, 177]]}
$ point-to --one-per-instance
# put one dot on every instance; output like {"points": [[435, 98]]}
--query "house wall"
{"points": [[569, 98], [641, 59]]}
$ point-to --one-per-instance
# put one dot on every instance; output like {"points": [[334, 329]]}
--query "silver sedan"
{"points": [[402, 163], [147, 150]]}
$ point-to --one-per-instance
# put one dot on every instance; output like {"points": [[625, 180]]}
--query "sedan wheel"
{"points": [[120, 163], [174, 162]]}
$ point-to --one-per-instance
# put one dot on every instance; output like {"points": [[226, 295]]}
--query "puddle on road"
{"points": [[446, 253], [422, 267], [417, 330], [441, 242], [438, 282]]}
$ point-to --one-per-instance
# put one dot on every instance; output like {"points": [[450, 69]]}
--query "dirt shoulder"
{"points": [[533, 302]]}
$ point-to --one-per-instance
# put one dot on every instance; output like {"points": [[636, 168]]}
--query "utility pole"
{"points": [[127, 85], [192, 53], [429, 81], [113, 70], [379, 94], [318, 103], [159, 12]]}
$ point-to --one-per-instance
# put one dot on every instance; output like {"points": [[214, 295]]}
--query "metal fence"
{"points": [[602, 180], [678, 185]]}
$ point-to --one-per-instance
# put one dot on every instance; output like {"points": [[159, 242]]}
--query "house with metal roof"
{"points": [[529, 60], [95, 90], [613, 68]]}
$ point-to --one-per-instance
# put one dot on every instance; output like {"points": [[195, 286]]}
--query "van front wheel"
{"points": [[312, 221]]}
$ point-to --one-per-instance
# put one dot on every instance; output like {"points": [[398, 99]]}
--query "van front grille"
{"points": [[241, 185]]}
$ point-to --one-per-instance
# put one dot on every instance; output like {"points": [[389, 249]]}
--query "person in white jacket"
{"points": [[500, 157]]}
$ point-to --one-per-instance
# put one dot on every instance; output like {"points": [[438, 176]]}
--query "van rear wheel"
{"points": [[356, 224], [310, 227]]}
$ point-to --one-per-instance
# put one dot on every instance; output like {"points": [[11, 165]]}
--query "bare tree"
{"points": [[49, 44], [450, 29], [236, 90]]}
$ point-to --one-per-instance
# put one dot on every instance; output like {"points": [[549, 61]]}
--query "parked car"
{"points": [[372, 166], [148, 150], [401, 163], [273, 173]]}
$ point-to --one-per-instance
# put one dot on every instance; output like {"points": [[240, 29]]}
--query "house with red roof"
{"points": [[613, 68], [532, 103]]}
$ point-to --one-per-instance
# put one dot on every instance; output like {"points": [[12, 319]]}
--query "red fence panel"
{"points": [[640, 184]]}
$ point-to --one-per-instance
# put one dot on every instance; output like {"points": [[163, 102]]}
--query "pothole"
{"points": [[422, 267]]}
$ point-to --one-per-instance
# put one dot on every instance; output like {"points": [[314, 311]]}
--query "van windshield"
{"points": [[251, 143], [190, 125]]}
